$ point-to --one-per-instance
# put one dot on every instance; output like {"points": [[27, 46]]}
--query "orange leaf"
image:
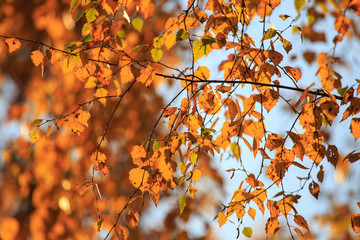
{"points": [[293, 72], [252, 213], [342, 24], [255, 130], [300, 220], [192, 191], [355, 127], [132, 219], [122, 232], [196, 174], [34, 136], [13, 44], [137, 176], [82, 188], [83, 117], [274, 141], [147, 75], [272, 226], [126, 74], [222, 218], [37, 57]]}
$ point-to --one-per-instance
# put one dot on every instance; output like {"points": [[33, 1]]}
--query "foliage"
{"points": [[103, 146]]}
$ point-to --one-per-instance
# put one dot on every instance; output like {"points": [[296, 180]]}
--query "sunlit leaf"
{"points": [[82, 188], [34, 136], [91, 14], [13, 44]]}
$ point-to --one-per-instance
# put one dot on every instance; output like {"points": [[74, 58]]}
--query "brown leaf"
{"points": [[122, 232], [314, 189], [82, 188], [355, 222], [300, 220], [132, 219]]}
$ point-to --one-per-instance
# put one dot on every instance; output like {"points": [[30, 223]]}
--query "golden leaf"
{"points": [[13, 44], [37, 57]]}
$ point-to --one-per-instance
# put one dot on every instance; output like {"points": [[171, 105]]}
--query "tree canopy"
{"points": [[125, 106]]}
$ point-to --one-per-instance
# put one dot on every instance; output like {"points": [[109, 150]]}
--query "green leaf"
{"points": [[121, 34], [158, 42], [270, 33], [137, 23], [78, 16], [299, 4], [182, 204], [182, 35], [247, 231], [202, 47], [156, 145], [91, 15], [156, 54], [206, 40], [205, 132], [73, 5], [137, 48], [35, 123], [235, 149]]}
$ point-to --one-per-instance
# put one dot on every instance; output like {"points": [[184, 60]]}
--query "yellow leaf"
{"points": [[83, 117], [34, 136], [182, 204], [91, 82], [13, 44], [170, 40], [37, 57], [196, 174], [101, 93]]}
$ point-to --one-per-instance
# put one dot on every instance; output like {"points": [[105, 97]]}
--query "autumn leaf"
{"points": [[355, 222], [182, 204], [196, 174], [138, 176], [247, 232], [192, 191], [293, 72], [222, 218], [82, 188], [132, 219], [13, 44], [91, 14], [342, 24], [252, 213], [98, 224], [37, 57], [272, 226], [147, 75], [34, 136], [101, 94], [122, 232], [355, 127], [300, 220]]}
